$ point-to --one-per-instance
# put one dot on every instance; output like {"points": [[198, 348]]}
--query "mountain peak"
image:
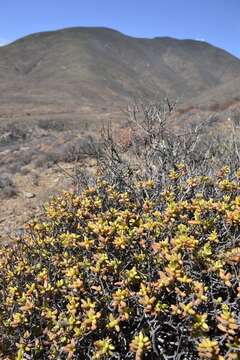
{"points": [[98, 65]]}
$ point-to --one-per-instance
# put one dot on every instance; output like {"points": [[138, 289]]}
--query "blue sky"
{"points": [[215, 21]]}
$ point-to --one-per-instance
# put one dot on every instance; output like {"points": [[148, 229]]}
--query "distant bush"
{"points": [[126, 275], [71, 151], [18, 159], [7, 187], [78, 149], [12, 133], [48, 124]]}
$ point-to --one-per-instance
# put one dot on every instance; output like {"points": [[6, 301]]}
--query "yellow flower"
{"points": [[140, 344], [88, 304], [104, 348], [70, 349], [208, 349], [91, 319], [200, 322], [132, 274], [113, 323]]}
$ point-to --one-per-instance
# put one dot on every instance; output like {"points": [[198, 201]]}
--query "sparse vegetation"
{"points": [[7, 187], [150, 147], [53, 125]]}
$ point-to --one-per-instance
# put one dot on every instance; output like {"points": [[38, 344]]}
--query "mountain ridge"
{"points": [[97, 66], [99, 28]]}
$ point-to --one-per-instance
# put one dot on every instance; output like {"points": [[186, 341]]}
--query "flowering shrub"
{"points": [[127, 275]]}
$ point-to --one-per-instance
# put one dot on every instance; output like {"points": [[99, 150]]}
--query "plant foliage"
{"points": [[112, 274]]}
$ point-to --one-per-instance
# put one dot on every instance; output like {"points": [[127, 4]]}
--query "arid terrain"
{"points": [[59, 88]]}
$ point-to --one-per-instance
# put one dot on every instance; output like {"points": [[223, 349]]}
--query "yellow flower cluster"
{"points": [[107, 275]]}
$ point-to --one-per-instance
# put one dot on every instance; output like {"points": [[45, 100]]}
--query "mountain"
{"points": [[77, 68], [222, 95]]}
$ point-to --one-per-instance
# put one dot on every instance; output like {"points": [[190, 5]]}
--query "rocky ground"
{"points": [[38, 156]]}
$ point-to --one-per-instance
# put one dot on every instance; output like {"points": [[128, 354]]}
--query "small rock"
{"points": [[68, 167], [29, 195], [5, 152], [92, 162]]}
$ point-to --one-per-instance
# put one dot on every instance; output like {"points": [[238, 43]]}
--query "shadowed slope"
{"points": [[99, 66]]}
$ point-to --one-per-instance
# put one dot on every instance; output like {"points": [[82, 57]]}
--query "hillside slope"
{"points": [[222, 95], [99, 67]]}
